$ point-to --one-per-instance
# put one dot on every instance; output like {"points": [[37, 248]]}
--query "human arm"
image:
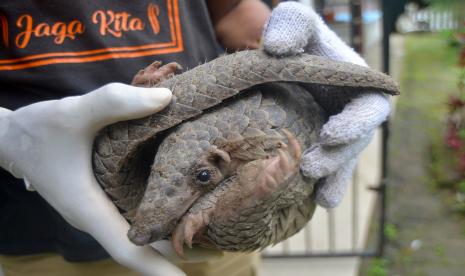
{"points": [[294, 28], [238, 24], [49, 145]]}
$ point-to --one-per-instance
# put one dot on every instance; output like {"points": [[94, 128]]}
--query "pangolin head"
{"points": [[196, 183]]}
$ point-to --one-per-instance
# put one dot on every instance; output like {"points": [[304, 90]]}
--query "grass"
{"points": [[443, 161], [429, 69], [390, 231], [429, 75], [378, 268]]}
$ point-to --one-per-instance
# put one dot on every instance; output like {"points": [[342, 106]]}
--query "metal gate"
{"points": [[343, 231]]}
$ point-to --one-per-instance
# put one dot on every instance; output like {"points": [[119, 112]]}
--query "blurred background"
{"points": [[404, 213]]}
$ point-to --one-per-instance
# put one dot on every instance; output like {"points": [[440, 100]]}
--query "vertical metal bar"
{"points": [[319, 6], [382, 188], [355, 199], [386, 32], [356, 25], [356, 40], [331, 230], [450, 24], [308, 238], [387, 19], [286, 247], [443, 19]]}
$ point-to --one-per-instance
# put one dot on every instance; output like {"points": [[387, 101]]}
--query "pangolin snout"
{"points": [[154, 221], [157, 233], [138, 238]]}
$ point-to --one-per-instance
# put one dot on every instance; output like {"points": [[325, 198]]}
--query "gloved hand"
{"points": [[49, 145], [294, 28]]}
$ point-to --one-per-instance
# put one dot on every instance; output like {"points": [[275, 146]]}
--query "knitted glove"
{"points": [[292, 29]]}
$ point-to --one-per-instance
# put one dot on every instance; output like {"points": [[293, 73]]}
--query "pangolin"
{"points": [[219, 167]]}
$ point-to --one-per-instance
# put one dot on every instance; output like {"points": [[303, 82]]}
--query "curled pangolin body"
{"points": [[236, 224], [123, 152]]}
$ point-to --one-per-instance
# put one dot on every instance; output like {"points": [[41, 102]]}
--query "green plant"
{"points": [[446, 3], [449, 36], [390, 231], [378, 268], [440, 250], [461, 186], [461, 83]]}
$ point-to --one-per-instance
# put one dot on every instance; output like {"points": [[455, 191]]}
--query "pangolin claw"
{"points": [[189, 225], [276, 170], [154, 74]]}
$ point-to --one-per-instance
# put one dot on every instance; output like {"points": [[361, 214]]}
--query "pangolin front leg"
{"points": [[270, 174], [256, 183]]}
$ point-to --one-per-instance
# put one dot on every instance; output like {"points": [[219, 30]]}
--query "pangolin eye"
{"points": [[203, 176]]}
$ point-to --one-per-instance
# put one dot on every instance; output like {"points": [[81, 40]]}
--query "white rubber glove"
{"points": [[294, 28], [49, 145]]}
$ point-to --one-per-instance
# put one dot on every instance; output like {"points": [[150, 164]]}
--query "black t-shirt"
{"points": [[51, 49]]}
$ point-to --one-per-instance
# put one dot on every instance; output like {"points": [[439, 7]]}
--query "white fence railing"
{"points": [[437, 20], [428, 19]]}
